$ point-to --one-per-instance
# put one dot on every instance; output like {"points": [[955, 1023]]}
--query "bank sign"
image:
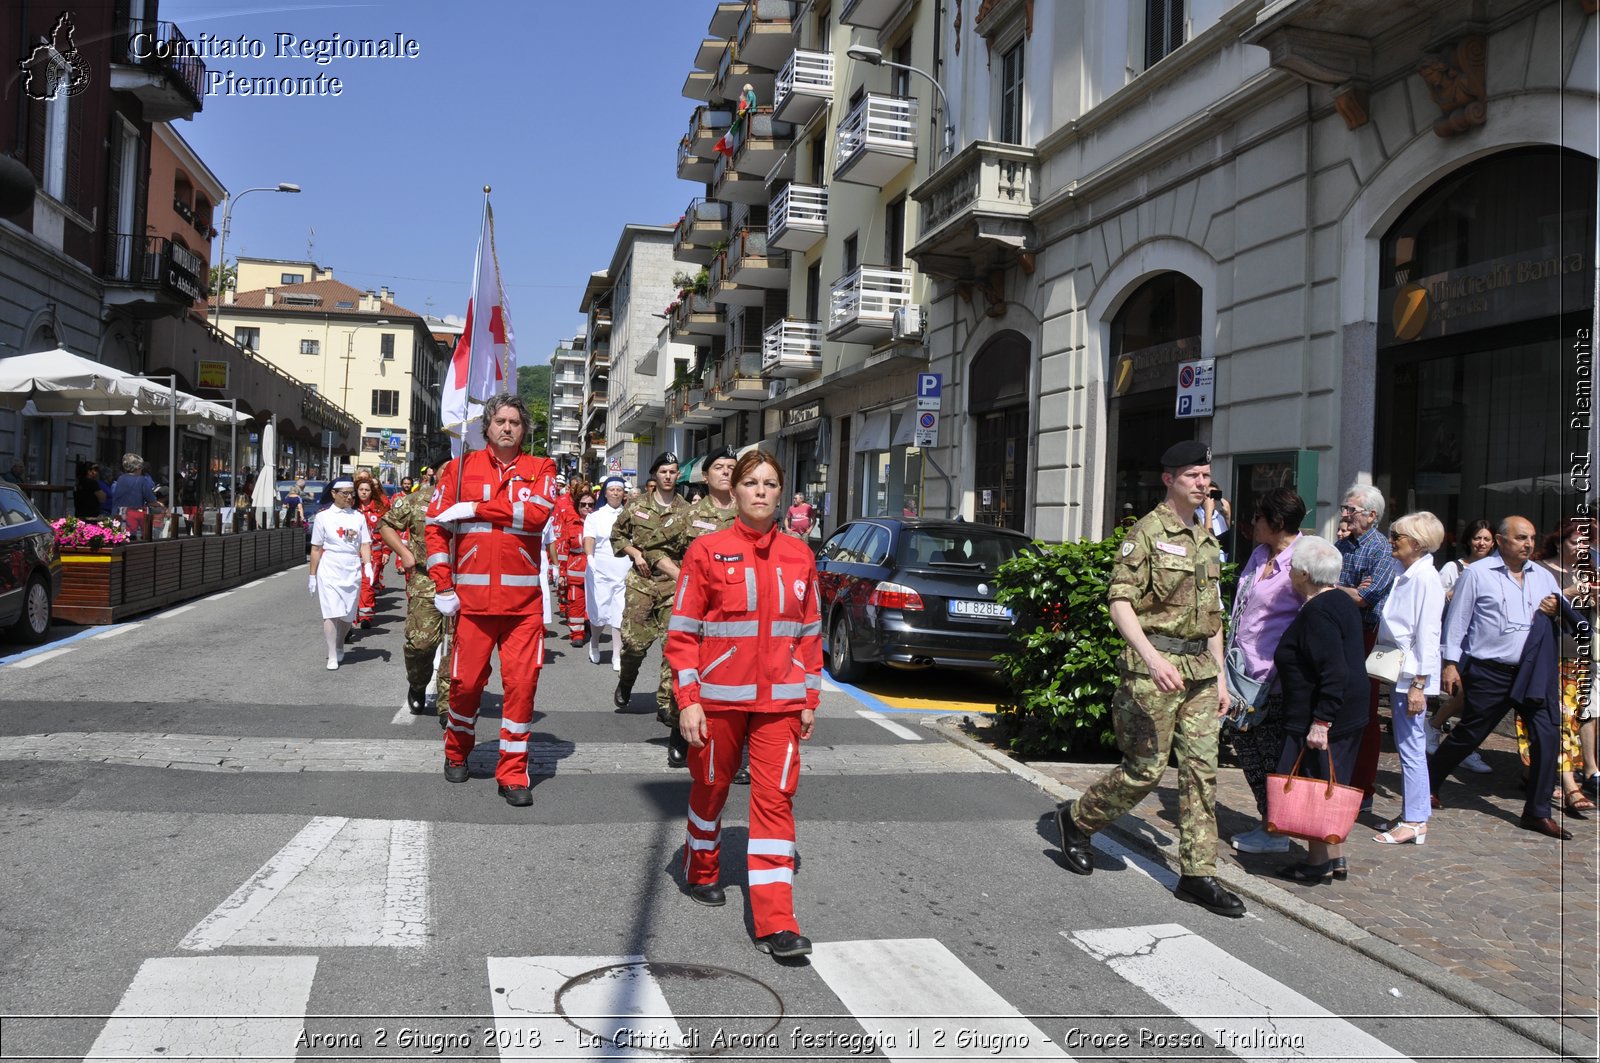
{"points": [[1500, 291]]}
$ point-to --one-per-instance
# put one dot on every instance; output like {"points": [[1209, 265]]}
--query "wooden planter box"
{"points": [[105, 586]]}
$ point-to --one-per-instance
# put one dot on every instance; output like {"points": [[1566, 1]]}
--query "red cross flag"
{"points": [[485, 358]]}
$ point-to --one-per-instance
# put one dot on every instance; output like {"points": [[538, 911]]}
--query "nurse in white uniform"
{"points": [[603, 582], [341, 549]]}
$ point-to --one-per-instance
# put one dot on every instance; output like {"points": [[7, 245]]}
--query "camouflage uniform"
{"points": [[703, 518], [654, 531], [1170, 573], [424, 625]]}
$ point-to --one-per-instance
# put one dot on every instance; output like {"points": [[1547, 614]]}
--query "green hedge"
{"points": [[1062, 675]]}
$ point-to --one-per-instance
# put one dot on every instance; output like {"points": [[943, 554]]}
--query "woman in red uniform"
{"points": [[745, 647], [373, 505], [576, 564]]}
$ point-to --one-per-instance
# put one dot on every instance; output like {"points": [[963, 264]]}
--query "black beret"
{"points": [[666, 457], [1188, 452], [720, 453]]}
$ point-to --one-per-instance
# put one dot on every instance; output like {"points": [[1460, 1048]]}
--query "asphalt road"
{"points": [[215, 848]]}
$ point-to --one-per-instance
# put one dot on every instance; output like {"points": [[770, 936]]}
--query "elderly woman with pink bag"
{"points": [[1321, 663]]}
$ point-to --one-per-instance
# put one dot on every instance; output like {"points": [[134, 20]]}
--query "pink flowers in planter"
{"points": [[75, 534]]}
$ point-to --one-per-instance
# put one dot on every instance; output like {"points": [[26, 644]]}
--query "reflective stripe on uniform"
{"points": [[750, 590], [788, 757], [730, 629], [472, 579], [813, 682], [687, 624], [519, 581], [788, 691], [457, 727], [770, 876], [436, 559], [789, 628], [718, 692], [704, 843], [704, 824], [516, 516], [454, 715], [516, 728], [513, 747], [780, 595], [683, 588], [770, 847], [543, 501], [687, 676], [813, 628], [474, 527]]}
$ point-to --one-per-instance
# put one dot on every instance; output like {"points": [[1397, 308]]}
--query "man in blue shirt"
{"points": [[1368, 573], [1497, 601]]}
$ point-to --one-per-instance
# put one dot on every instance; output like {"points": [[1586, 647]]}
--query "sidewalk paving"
{"points": [[1507, 910]]}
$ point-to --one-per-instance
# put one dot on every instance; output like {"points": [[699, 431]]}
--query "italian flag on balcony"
{"points": [[485, 359], [747, 105]]}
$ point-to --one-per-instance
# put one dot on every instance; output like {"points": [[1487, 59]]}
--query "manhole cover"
{"points": [[686, 1009]]}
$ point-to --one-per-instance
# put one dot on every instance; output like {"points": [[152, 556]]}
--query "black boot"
{"points": [[677, 750], [417, 701]]}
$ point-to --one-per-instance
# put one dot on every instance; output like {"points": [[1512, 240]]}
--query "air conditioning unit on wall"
{"points": [[776, 387], [910, 322]]}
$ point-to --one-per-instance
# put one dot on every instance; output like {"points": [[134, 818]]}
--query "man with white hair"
{"points": [[1369, 572]]}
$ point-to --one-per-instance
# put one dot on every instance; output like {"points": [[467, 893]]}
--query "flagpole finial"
{"points": [[485, 189]]}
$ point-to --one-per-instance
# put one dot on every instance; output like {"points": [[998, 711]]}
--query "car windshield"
{"points": [[974, 549]]}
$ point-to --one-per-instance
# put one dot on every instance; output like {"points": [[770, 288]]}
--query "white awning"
{"points": [[873, 433]]}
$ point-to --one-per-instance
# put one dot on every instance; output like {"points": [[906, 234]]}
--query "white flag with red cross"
{"points": [[484, 363]]}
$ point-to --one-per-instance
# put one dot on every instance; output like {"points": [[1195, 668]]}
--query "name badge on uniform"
{"points": [[728, 557], [1171, 548], [640, 515], [707, 525]]}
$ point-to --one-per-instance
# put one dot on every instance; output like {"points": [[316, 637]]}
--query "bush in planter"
{"points": [[75, 534]]}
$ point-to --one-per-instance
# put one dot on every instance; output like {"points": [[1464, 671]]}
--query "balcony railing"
{"points": [[602, 321], [975, 210], [750, 264], [696, 319], [764, 32], [172, 76], [763, 140], [863, 303], [733, 74], [599, 358], [798, 217], [791, 348], [877, 140], [803, 87], [597, 399], [697, 149], [736, 378], [704, 223], [154, 270]]}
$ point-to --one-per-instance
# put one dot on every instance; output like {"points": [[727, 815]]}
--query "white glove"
{"points": [[447, 603], [459, 511], [366, 570], [311, 584]]}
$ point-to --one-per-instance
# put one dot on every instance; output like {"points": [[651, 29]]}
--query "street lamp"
{"points": [[874, 57], [222, 245]]}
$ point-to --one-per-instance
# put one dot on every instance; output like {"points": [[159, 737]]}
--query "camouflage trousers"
{"points": [[644, 619], [424, 632], [1151, 725]]}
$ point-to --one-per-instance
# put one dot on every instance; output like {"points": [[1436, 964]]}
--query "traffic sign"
{"points": [[1196, 388], [929, 386], [927, 431]]}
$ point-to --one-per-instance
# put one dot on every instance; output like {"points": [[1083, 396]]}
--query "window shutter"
{"points": [[114, 145]]}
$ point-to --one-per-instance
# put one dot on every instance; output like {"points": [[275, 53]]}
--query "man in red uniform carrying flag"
{"points": [[484, 528]]}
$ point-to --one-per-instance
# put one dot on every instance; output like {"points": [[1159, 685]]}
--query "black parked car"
{"points": [[30, 566], [914, 594]]}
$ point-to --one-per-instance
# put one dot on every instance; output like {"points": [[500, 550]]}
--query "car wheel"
{"points": [[34, 622], [842, 664]]}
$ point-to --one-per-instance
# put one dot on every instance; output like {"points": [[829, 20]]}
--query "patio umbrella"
{"points": [[60, 381], [265, 497]]}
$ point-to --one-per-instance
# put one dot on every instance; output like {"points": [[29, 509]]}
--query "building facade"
{"points": [[568, 365], [1370, 227]]}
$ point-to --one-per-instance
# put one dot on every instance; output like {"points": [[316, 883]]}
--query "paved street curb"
{"points": [[1547, 1033]]}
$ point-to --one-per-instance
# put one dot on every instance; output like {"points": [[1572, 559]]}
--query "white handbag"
{"points": [[1383, 663]]}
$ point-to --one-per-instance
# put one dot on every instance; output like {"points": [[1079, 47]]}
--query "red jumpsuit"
{"points": [[574, 563], [559, 518], [373, 510], [496, 576], [745, 643]]}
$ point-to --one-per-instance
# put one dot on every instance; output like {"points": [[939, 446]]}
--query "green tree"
{"points": [[533, 387], [220, 276]]}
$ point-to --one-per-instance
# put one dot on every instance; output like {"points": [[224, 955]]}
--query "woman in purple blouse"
{"points": [[1263, 608]]}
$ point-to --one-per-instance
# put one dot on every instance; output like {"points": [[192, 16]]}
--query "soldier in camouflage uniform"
{"points": [[712, 513], [402, 529], [1166, 601], [646, 533]]}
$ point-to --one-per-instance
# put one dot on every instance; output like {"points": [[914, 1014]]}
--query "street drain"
{"points": [[624, 1005]]}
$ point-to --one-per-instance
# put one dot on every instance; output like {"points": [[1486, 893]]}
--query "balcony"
{"points": [[725, 19], [765, 31], [602, 320], [862, 306], [167, 88], [704, 225], [736, 381], [597, 400], [686, 404], [975, 211], [877, 140], [868, 14], [751, 265], [709, 54], [798, 217], [599, 359], [731, 186], [792, 349], [803, 87], [699, 85], [150, 276], [697, 150], [762, 143], [641, 410], [697, 320], [733, 74]]}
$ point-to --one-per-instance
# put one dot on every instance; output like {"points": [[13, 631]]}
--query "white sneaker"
{"points": [[333, 664], [1433, 739], [594, 652], [1259, 841], [616, 661], [1474, 763]]}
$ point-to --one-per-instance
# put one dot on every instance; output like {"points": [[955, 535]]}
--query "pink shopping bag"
{"points": [[1313, 809]]}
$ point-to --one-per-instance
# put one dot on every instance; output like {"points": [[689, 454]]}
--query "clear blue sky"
{"points": [[570, 110]]}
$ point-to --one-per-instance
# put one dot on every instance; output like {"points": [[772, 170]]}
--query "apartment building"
{"points": [[628, 367], [360, 349], [1335, 241], [568, 374]]}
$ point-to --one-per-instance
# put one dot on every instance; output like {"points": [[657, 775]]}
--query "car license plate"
{"points": [[983, 610]]}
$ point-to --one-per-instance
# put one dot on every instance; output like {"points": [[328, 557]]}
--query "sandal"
{"points": [[1576, 803], [1401, 833]]}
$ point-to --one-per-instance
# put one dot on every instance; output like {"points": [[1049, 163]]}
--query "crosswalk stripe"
{"points": [[339, 882], [40, 658], [889, 725], [616, 1009], [1242, 1010], [191, 1008], [913, 980]]}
